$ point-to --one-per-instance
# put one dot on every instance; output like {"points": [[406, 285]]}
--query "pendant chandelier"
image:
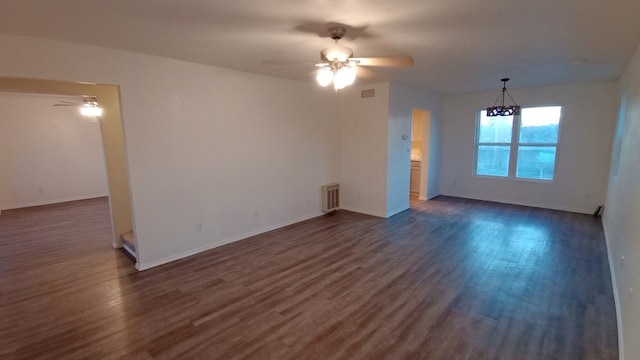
{"points": [[502, 109]]}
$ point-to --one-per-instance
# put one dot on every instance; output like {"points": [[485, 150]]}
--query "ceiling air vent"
{"points": [[368, 93]]}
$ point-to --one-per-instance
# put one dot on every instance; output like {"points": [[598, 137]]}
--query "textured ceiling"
{"points": [[458, 45]]}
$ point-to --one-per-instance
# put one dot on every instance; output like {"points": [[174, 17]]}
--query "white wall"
{"points": [[402, 100], [364, 129], [49, 154], [622, 213], [375, 160], [239, 153], [586, 130]]}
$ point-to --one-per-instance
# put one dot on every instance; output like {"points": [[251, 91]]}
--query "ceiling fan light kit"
{"points": [[502, 109], [342, 74], [336, 53], [344, 77], [325, 76], [338, 66], [91, 107]]}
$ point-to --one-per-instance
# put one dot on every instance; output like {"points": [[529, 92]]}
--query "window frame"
{"points": [[514, 145]]}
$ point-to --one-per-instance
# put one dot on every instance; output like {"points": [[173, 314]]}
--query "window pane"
{"points": [[536, 162], [540, 125], [495, 129], [493, 160]]}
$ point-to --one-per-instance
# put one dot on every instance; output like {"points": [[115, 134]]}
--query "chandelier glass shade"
{"points": [[325, 76], [336, 52], [340, 73]]}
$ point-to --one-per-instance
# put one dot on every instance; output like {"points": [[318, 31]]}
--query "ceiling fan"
{"points": [[338, 66], [88, 107]]}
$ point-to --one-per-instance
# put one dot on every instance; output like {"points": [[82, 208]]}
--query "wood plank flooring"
{"points": [[449, 279]]}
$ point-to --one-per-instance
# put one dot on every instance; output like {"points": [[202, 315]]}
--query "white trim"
{"points": [[397, 211], [361, 211], [521, 203], [117, 242], [616, 297], [130, 250], [432, 196], [57, 201], [144, 266]]}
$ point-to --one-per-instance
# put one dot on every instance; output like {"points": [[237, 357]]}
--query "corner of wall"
{"points": [[614, 284]]}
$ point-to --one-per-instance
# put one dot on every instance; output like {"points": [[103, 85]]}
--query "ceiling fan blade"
{"points": [[319, 28], [285, 63], [65, 103], [364, 73], [387, 61]]}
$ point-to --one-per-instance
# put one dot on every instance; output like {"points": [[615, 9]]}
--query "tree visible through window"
{"points": [[525, 148]]}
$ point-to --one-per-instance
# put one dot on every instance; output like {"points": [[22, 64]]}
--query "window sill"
{"points": [[513, 178]]}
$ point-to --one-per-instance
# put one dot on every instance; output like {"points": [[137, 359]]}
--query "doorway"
{"points": [[111, 132], [420, 148]]}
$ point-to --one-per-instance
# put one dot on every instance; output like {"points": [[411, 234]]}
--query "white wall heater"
{"points": [[330, 197]]}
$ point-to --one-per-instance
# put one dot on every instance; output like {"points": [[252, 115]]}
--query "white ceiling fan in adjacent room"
{"points": [[89, 106], [337, 65]]}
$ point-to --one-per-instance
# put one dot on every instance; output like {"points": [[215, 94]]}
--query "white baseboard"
{"points": [[530, 204], [144, 266], [130, 250], [616, 297], [55, 201], [396, 211], [362, 211]]}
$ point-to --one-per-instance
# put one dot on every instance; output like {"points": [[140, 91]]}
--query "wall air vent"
{"points": [[330, 197], [368, 93]]}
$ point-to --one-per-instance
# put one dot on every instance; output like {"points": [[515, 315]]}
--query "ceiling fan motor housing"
{"points": [[336, 53], [337, 32]]}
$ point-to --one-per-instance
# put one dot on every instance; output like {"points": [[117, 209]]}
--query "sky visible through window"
{"points": [[537, 138], [541, 116]]}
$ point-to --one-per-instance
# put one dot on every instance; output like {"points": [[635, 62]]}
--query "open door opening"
{"points": [[112, 135], [420, 144]]}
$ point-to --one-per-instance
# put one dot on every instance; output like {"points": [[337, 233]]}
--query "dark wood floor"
{"points": [[449, 279]]}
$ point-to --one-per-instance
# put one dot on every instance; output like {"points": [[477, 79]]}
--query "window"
{"points": [[524, 148]]}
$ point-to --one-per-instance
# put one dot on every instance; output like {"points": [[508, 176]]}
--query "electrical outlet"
{"points": [[198, 226]]}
